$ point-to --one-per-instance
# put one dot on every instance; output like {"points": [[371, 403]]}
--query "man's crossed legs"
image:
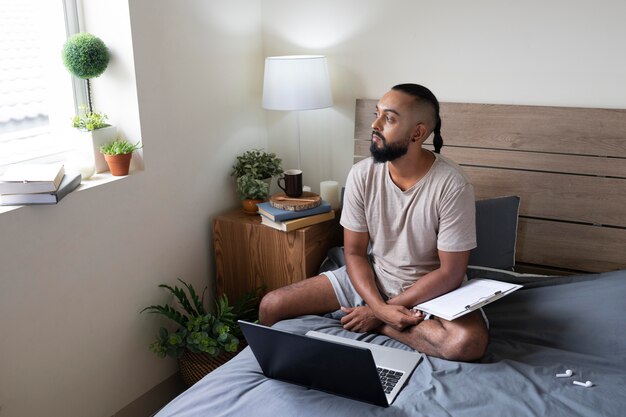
{"points": [[464, 339]]}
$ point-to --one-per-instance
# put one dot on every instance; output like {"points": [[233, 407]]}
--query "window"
{"points": [[37, 94]]}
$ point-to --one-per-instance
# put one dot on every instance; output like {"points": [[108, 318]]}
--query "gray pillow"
{"points": [[496, 233]]}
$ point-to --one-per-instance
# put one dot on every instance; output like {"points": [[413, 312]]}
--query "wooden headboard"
{"points": [[568, 165]]}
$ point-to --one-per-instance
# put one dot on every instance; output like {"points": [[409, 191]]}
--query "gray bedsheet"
{"points": [[575, 323]]}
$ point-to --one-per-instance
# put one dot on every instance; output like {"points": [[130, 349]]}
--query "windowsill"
{"points": [[96, 180]]}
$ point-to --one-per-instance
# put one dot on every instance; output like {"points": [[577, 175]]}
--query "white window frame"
{"points": [[72, 26], [71, 100]]}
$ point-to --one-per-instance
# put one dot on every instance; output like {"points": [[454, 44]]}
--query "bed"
{"points": [[551, 185]]}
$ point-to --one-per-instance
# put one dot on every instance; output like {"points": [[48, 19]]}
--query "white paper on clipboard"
{"points": [[470, 296]]}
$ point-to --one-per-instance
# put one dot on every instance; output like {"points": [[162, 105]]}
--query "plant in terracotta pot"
{"points": [[254, 171], [252, 191], [202, 340], [118, 155]]}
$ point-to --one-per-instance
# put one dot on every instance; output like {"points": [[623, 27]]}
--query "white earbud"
{"points": [[584, 384], [567, 374]]}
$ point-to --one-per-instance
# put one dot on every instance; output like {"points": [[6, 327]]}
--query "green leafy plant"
{"points": [[251, 169], [198, 330], [88, 121], [257, 164], [85, 56], [250, 188], [119, 147]]}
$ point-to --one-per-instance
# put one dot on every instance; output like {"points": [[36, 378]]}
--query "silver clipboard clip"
{"points": [[485, 300]]}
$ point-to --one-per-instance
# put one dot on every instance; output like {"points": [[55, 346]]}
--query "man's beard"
{"points": [[387, 152]]}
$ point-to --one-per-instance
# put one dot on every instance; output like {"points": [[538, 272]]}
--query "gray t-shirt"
{"points": [[406, 228]]}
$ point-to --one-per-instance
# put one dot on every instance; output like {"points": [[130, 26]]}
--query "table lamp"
{"points": [[295, 83]]}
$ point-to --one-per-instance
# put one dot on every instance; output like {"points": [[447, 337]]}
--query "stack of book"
{"points": [[26, 184], [287, 220]]}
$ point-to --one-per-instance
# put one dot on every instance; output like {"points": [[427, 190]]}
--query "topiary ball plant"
{"points": [[85, 55]]}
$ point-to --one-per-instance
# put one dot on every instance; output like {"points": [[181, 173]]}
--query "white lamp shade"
{"points": [[298, 82]]}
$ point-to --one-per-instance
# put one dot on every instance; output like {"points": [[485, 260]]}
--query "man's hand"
{"points": [[398, 317], [359, 319], [363, 319]]}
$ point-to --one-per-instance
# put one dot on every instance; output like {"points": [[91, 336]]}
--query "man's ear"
{"points": [[420, 133]]}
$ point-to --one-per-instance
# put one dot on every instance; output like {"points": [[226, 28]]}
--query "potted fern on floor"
{"points": [[202, 340]]}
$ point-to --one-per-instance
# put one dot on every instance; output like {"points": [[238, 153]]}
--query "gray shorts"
{"points": [[347, 296]]}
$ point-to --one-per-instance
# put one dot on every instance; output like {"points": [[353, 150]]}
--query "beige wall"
{"points": [[73, 277]]}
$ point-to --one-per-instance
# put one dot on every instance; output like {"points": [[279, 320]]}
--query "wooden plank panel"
{"points": [[570, 164], [556, 196], [572, 130], [362, 147], [571, 246], [580, 131], [558, 163], [364, 117]]}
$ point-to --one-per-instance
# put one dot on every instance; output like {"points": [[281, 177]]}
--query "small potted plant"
{"points": [[118, 155], [86, 56], [254, 171], [93, 133], [252, 191], [202, 340]]}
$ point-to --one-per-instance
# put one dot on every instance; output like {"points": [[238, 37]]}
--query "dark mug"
{"points": [[292, 183]]}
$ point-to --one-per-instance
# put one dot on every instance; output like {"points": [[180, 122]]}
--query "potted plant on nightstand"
{"points": [[86, 56], [202, 340], [118, 155], [254, 171], [252, 191]]}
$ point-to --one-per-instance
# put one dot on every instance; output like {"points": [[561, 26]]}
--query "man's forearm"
{"points": [[363, 279], [446, 278], [364, 282], [428, 287]]}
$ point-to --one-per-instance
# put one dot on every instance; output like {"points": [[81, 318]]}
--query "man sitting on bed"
{"points": [[416, 211]]}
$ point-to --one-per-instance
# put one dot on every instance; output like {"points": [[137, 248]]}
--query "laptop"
{"points": [[349, 368]]}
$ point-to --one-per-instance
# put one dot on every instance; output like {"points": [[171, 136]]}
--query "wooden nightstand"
{"points": [[249, 254]]}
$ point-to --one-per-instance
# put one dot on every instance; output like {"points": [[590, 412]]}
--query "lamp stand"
{"points": [[299, 144]]}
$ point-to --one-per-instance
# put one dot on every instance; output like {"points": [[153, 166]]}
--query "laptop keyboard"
{"points": [[389, 378]]}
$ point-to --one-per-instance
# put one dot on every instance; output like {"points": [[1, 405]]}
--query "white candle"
{"points": [[329, 191]]}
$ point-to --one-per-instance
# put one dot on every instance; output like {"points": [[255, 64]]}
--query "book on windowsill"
{"points": [[70, 181], [32, 178], [279, 215], [470, 296], [299, 223]]}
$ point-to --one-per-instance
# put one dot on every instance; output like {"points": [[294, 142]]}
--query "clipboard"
{"points": [[470, 296]]}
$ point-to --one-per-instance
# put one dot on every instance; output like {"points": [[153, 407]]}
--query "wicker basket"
{"points": [[194, 366]]}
